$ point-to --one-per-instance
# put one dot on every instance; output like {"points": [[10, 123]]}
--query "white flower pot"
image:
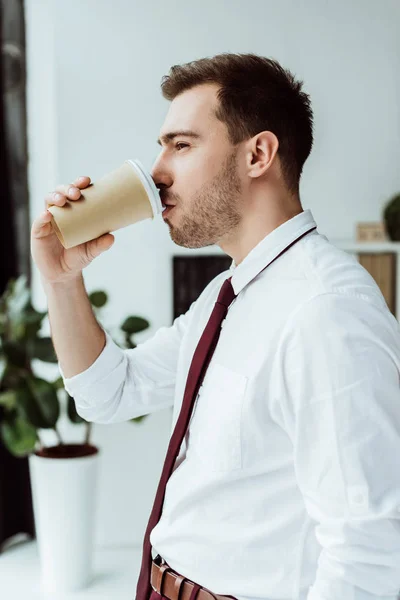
{"points": [[64, 502]]}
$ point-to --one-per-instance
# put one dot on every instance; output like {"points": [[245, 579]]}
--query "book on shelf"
{"points": [[382, 267]]}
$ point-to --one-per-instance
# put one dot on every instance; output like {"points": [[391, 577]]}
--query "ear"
{"points": [[261, 152]]}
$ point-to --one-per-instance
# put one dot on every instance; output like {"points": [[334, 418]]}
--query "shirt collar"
{"points": [[268, 248]]}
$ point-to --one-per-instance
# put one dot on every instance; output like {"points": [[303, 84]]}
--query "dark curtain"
{"points": [[16, 513]]}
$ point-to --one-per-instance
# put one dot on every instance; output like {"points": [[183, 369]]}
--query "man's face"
{"points": [[198, 174]]}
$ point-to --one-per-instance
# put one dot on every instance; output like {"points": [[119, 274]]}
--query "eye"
{"points": [[181, 144]]}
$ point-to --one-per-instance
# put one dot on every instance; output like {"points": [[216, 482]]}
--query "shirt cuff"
{"points": [[105, 363]]}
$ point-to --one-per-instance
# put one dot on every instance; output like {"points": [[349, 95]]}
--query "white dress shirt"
{"points": [[287, 484]]}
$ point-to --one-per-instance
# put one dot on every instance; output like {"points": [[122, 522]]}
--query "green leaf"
{"points": [[17, 312], [71, 411], [38, 403], [19, 437], [98, 299], [15, 352], [138, 419], [134, 325], [19, 296], [3, 366], [58, 384], [128, 341], [17, 328], [43, 349], [3, 322], [33, 321], [8, 399]]}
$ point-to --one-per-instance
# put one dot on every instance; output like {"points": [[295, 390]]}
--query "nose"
{"points": [[160, 174]]}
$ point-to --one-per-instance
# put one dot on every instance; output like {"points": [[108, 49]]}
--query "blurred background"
{"points": [[80, 94]]}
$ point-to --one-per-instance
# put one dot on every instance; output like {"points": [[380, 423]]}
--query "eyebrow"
{"points": [[168, 137]]}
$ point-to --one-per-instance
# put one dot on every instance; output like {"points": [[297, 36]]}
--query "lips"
{"points": [[167, 203], [167, 210]]}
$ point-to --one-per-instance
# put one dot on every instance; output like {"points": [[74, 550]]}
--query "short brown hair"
{"points": [[256, 94]]}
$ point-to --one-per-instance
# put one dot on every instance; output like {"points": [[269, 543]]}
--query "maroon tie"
{"points": [[201, 358]]}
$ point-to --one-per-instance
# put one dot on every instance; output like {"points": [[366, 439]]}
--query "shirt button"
{"points": [[358, 497]]}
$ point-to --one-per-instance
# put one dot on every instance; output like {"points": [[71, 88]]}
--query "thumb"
{"points": [[107, 241], [101, 244]]}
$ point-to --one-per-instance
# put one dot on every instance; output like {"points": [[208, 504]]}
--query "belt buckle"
{"points": [[158, 561]]}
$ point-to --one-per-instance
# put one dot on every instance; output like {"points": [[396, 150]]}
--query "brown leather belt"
{"points": [[169, 583]]}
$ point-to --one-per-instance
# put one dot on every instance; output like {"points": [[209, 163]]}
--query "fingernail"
{"points": [[71, 190], [57, 197], [81, 179]]}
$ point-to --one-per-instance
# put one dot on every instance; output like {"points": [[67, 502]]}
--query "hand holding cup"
{"points": [[76, 226], [56, 263]]}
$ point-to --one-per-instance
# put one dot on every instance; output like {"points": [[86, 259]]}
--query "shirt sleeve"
{"points": [[340, 396], [123, 384]]}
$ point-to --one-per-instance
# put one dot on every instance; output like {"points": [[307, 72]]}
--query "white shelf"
{"points": [[115, 574], [352, 246]]}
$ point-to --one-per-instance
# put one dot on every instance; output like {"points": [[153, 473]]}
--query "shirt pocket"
{"points": [[215, 426]]}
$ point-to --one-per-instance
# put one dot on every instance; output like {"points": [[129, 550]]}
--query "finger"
{"points": [[64, 192], [61, 194], [82, 182], [54, 198], [41, 226], [70, 191]]}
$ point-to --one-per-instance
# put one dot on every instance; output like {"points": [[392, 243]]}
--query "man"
{"points": [[287, 482]]}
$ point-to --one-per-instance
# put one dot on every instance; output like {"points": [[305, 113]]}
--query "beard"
{"points": [[214, 211]]}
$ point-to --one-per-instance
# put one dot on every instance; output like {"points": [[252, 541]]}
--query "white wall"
{"points": [[94, 69]]}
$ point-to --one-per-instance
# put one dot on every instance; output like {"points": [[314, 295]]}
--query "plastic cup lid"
{"points": [[149, 185]]}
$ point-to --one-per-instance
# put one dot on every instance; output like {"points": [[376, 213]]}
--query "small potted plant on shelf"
{"points": [[63, 476], [391, 216]]}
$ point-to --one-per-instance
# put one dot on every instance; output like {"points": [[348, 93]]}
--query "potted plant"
{"points": [[391, 215], [63, 476]]}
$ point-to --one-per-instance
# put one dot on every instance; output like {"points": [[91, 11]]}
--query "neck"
{"points": [[256, 225]]}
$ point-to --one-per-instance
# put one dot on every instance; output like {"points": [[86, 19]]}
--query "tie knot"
{"points": [[226, 294]]}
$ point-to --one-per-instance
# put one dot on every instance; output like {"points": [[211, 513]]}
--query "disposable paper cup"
{"points": [[125, 196]]}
